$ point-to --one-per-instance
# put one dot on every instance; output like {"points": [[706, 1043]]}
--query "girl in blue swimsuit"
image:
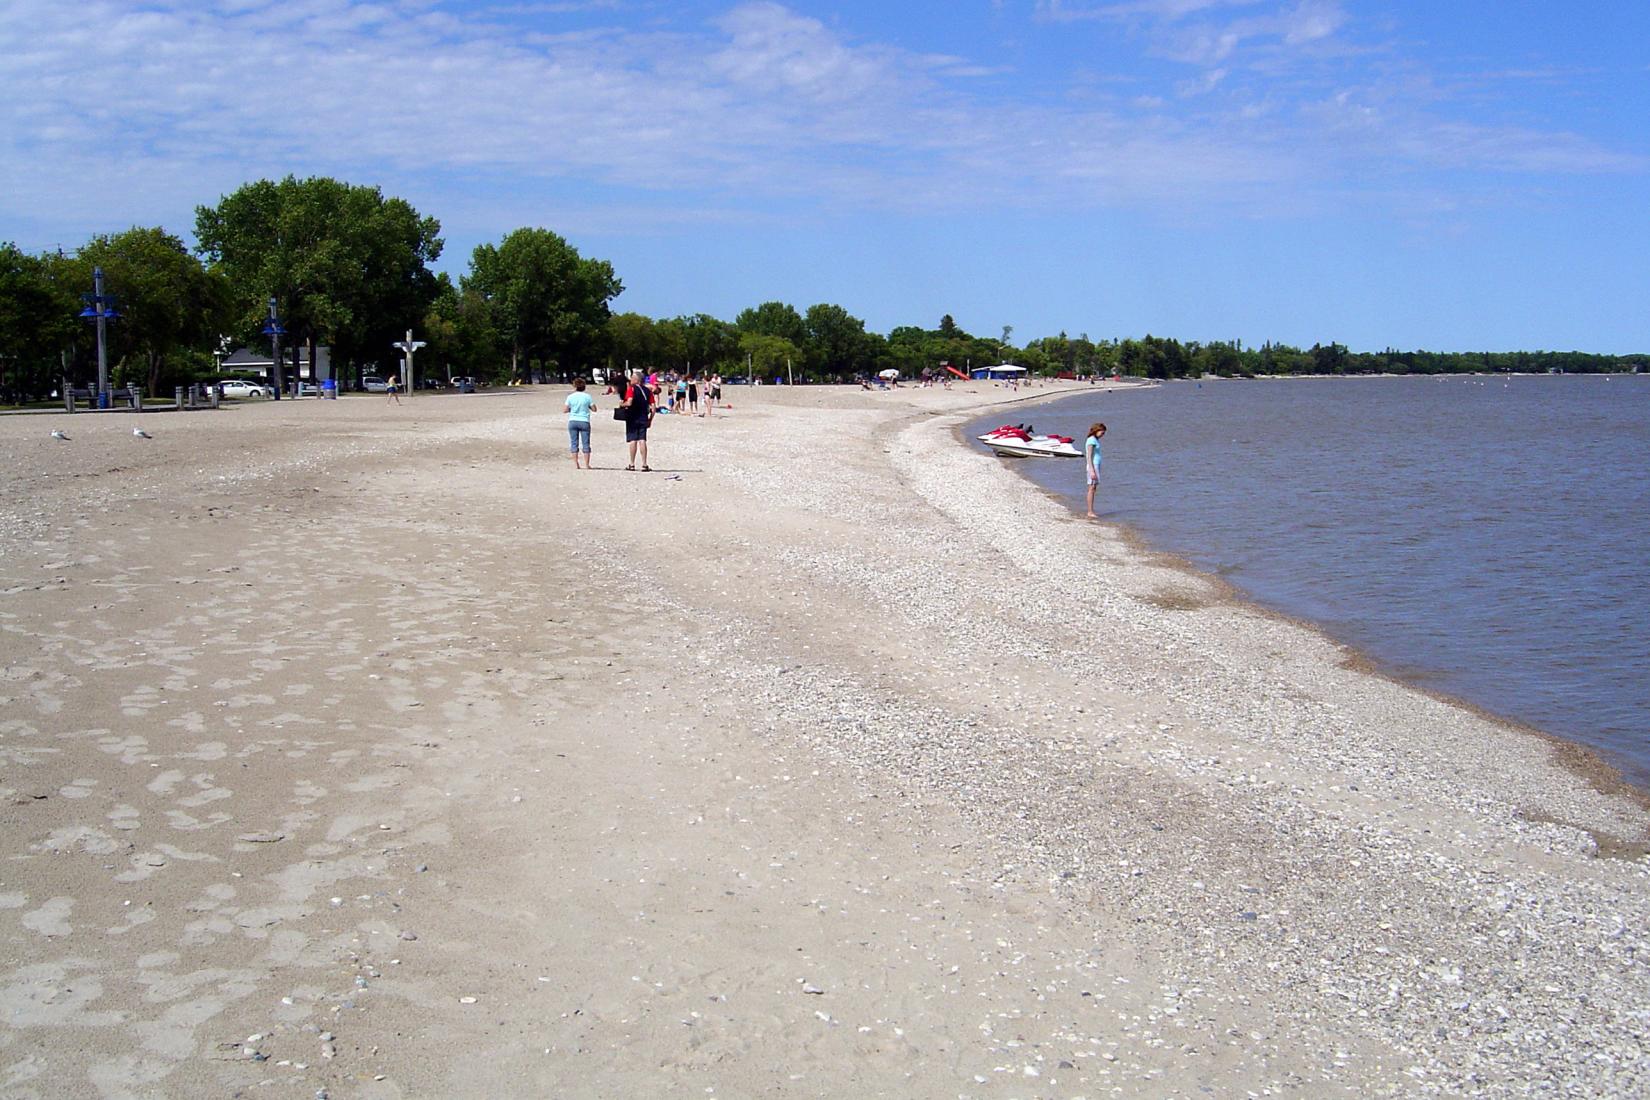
{"points": [[1091, 461]]}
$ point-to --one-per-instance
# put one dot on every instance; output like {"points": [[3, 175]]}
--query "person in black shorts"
{"points": [[638, 405]]}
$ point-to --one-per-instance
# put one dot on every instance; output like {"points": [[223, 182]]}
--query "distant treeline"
{"points": [[1158, 357], [349, 267]]}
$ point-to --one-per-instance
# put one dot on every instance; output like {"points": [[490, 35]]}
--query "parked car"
{"points": [[465, 384], [241, 387], [374, 384]]}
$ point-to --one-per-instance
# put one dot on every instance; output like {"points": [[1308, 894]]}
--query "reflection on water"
{"points": [[1488, 537]]}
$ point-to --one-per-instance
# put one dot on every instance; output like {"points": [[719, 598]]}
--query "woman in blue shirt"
{"points": [[579, 407], [1091, 461]]}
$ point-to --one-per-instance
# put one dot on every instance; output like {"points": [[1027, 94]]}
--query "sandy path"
{"points": [[385, 737]]}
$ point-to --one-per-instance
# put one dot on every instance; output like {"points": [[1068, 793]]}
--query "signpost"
{"points": [[273, 330], [408, 346], [100, 307]]}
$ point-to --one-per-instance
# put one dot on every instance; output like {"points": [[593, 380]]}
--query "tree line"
{"points": [[349, 267]]}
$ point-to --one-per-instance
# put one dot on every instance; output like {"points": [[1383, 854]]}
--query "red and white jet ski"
{"points": [[1018, 441]]}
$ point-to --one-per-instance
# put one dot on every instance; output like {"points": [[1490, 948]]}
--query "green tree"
{"points": [[774, 319], [708, 342], [547, 301], [837, 342], [670, 347], [1330, 359], [37, 321], [1218, 358], [768, 354], [632, 338], [459, 331], [169, 304], [345, 264]]}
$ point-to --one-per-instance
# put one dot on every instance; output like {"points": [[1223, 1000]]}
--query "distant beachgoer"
{"points": [[681, 391], [392, 389], [1091, 462], [693, 393], [713, 393], [579, 407], [638, 404]]}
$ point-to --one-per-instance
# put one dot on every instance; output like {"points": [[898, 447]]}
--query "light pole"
{"points": [[273, 329], [408, 346], [100, 307]]}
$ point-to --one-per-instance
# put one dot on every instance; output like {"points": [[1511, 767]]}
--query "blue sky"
{"points": [[1449, 175]]}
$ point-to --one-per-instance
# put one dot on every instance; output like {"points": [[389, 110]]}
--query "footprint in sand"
{"points": [[187, 823], [132, 749], [140, 702], [54, 995], [134, 918], [51, 919], [305, 792], [79, 838], [208, 792], [189, 722]]}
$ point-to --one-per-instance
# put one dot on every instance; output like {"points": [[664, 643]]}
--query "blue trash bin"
{"points": [[329, 389]]}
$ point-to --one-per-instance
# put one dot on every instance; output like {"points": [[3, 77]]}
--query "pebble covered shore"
{"points": [[363, 750], [1286, 828]]}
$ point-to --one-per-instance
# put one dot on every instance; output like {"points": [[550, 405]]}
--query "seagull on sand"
{"points": [[141, 434], [57, 433]]}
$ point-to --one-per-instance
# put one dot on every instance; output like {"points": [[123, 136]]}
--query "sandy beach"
{"points": [[361, 750]]}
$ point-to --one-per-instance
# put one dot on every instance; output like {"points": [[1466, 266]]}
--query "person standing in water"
{"points": [[1091, 462]]}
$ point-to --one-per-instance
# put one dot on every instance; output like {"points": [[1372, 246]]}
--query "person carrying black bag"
{"points": [[638, 410]]}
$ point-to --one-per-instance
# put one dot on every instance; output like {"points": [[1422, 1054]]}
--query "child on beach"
{"points": [[1091, 462]]}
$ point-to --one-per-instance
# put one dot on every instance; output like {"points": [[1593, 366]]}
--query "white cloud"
{"points": [[1209, 32], [117, 112], [1073, 10]]}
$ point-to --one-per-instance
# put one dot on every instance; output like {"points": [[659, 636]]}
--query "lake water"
{"points": [[1484, 537]]}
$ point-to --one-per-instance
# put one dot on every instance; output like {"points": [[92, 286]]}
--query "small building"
{"points": [[1003, 371], [255, 364]]}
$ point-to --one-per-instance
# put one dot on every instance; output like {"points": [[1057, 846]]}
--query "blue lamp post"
{"points": [[273, 329], [100, 308]]}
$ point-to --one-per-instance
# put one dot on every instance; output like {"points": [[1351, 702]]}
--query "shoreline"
{"points": [[1585, 760], [892, 776]]}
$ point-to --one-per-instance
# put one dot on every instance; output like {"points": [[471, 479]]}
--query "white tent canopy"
{"points": [[1001, 370]]}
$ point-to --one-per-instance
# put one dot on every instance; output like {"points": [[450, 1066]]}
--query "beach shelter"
{"points": [[1001, 371]]}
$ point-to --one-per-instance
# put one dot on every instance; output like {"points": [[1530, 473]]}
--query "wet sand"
{"points": [[374, 750]]}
